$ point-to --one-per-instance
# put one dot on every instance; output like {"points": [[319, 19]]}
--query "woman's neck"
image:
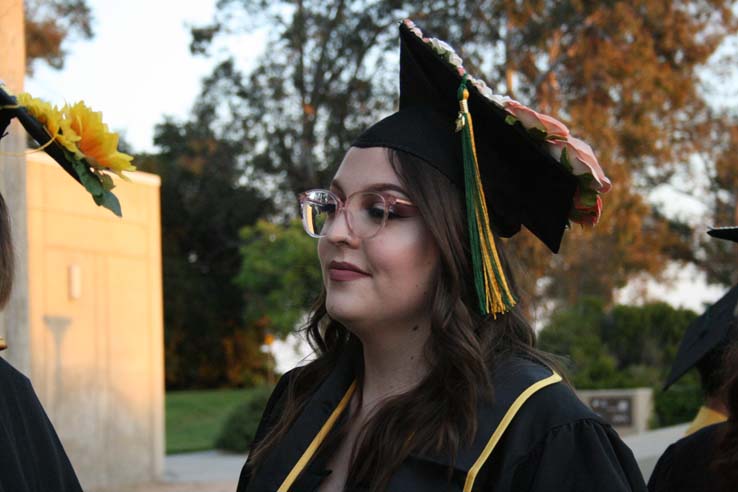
{"points": [[394, 362]]}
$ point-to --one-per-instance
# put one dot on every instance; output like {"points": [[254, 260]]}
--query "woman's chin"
{"points": [[346, 313]]}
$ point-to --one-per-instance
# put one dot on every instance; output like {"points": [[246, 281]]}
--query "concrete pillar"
{"points": [[14, 320]]}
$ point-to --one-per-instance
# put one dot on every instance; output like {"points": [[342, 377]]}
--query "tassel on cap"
{"points": [[489, 278]]}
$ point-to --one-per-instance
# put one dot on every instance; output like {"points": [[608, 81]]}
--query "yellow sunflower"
{"points": [[97, 144], [52, 119]]}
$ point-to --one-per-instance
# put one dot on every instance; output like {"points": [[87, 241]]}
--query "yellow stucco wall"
{"points": [[97, 357]]}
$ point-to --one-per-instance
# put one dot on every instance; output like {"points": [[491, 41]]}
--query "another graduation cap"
{"points": [[709, 331], [54, 130], [729, 233], [712, 329], [516, 166]]}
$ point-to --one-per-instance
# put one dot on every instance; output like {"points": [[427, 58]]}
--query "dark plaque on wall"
{"points": [[616, 410]]}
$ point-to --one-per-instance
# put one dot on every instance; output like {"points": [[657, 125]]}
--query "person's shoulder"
{"points": [[697, 443], [552, 410], [553, 430], [553, 404], [10, 376], [685, 464]]}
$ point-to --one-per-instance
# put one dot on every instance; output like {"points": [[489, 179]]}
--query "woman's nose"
{"points": [[339, 230]]}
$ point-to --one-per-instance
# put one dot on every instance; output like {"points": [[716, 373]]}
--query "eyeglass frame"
{"points": [[388, 200]]}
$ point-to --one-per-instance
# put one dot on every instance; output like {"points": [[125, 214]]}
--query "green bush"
{"points": [[239, 428], [678, 404]]}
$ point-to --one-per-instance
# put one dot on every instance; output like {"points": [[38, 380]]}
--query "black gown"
{"points": [[32, 458], [553, 443], [685, 465]]}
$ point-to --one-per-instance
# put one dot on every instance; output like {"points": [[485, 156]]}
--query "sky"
{"points": [[138, 68]]}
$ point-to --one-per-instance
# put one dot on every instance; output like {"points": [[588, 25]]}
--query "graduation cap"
{"points": [[53, 130], [711, 330], [729, 233], [516, 166]]}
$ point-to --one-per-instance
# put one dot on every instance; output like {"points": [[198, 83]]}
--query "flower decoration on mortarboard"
{"points": [[76, 137], [516, 166]]}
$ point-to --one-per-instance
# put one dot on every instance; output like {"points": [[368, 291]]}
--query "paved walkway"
{"points": [[207, 471]]}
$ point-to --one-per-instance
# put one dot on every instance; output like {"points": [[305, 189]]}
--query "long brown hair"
{"points": [[725, 461], [7, 259], [438, 415]]}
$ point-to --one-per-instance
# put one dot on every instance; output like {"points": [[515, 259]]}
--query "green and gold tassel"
{"points": [[489, 278]]}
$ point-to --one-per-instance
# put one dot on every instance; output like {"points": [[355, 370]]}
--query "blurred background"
{"points": [[232, 107]]}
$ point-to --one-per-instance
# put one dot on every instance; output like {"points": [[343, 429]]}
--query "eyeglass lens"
{"points": [[366, 212]]}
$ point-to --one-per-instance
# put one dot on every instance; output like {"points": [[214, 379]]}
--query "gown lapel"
{"points": [[321, 406]]}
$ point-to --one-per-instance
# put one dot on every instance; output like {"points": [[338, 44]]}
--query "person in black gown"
{"points": [[707, 460], [427, 377], [32, 459]]}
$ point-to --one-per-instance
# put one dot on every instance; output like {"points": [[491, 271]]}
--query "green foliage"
{"points": [[195, 418], [280, 274], [679, 403], [625, 347], [240, 428]]}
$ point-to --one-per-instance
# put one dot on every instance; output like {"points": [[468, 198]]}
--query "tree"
{"points": [[625, 347], [280, 274], [204, 205], [624, 75], [49, 23], [718, 258]]}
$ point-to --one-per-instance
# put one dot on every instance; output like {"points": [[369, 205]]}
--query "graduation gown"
{"points": [[551, 441], [32, 458], [685, 466]]}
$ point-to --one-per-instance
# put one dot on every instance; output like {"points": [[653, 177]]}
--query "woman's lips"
{"points": [[343, 271], [342, 275]]}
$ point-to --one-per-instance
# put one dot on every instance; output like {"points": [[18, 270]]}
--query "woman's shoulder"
{"points": [[686, 463], [550, 405], [554, 431], [16, 386]]}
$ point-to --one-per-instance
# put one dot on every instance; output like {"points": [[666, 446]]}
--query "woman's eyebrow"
{"points": [[385, 187], [374, 187]]}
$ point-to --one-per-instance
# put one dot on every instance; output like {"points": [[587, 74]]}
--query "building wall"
{"points": [[96, 323]]}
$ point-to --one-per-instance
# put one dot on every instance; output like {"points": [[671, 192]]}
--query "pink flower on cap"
{"points": [[553, 128], [582, 160]]}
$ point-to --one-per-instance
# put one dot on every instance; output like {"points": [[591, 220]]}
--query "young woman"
{"points": [[426, 376]]}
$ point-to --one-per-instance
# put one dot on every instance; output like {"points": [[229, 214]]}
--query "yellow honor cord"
{"points": [[471, 476], [317, 440], [498, 297]]}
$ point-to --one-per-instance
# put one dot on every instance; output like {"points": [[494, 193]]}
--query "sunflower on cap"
{"points": [[76, 137]]}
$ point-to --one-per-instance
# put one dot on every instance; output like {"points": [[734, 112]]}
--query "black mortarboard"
{"points": [[712, 329], [729, 233], [709, 331], [523, 183], [524, 176]]}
